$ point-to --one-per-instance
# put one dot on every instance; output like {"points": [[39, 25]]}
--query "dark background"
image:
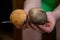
{"points": [[5, 11]]}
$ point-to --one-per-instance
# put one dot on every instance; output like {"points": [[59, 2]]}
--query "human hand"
{"points": [[24, 25], [48, 26]]}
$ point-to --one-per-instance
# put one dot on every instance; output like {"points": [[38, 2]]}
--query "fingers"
{"points": [[19, 27], [25, 26], [34, 27], [47, 24], [48, 27]]}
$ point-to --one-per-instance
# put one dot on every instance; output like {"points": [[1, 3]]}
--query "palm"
{"points": [[47, 26]]}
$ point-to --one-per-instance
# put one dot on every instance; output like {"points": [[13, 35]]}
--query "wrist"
{"points": [[56, 15], [50, 14]]}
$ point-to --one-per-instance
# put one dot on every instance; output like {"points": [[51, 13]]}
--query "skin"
{"points": [[52, 16]]}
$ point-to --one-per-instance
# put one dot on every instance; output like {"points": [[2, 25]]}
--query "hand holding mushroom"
{"points": [[36, 18]]}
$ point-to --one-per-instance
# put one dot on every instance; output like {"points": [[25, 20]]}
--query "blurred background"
{"points": [[6, 29]]}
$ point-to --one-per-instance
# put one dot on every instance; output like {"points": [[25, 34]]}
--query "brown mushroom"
{"points": [[37, 16]]}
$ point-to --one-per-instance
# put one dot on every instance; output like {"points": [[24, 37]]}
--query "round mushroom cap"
{"points": [[37, 16], [18, 17]]}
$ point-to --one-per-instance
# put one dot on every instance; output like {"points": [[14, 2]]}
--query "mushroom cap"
{"points": [[18, 17], [37, 16]]}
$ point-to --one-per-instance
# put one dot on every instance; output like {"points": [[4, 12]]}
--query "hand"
{"points": [[47, 27], [24, 25]]}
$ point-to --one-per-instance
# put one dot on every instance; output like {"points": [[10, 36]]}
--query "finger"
{"points": [[43, 28], [34, 27], [46, 27], [19, 27], [47, 24], [25, 26]]}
